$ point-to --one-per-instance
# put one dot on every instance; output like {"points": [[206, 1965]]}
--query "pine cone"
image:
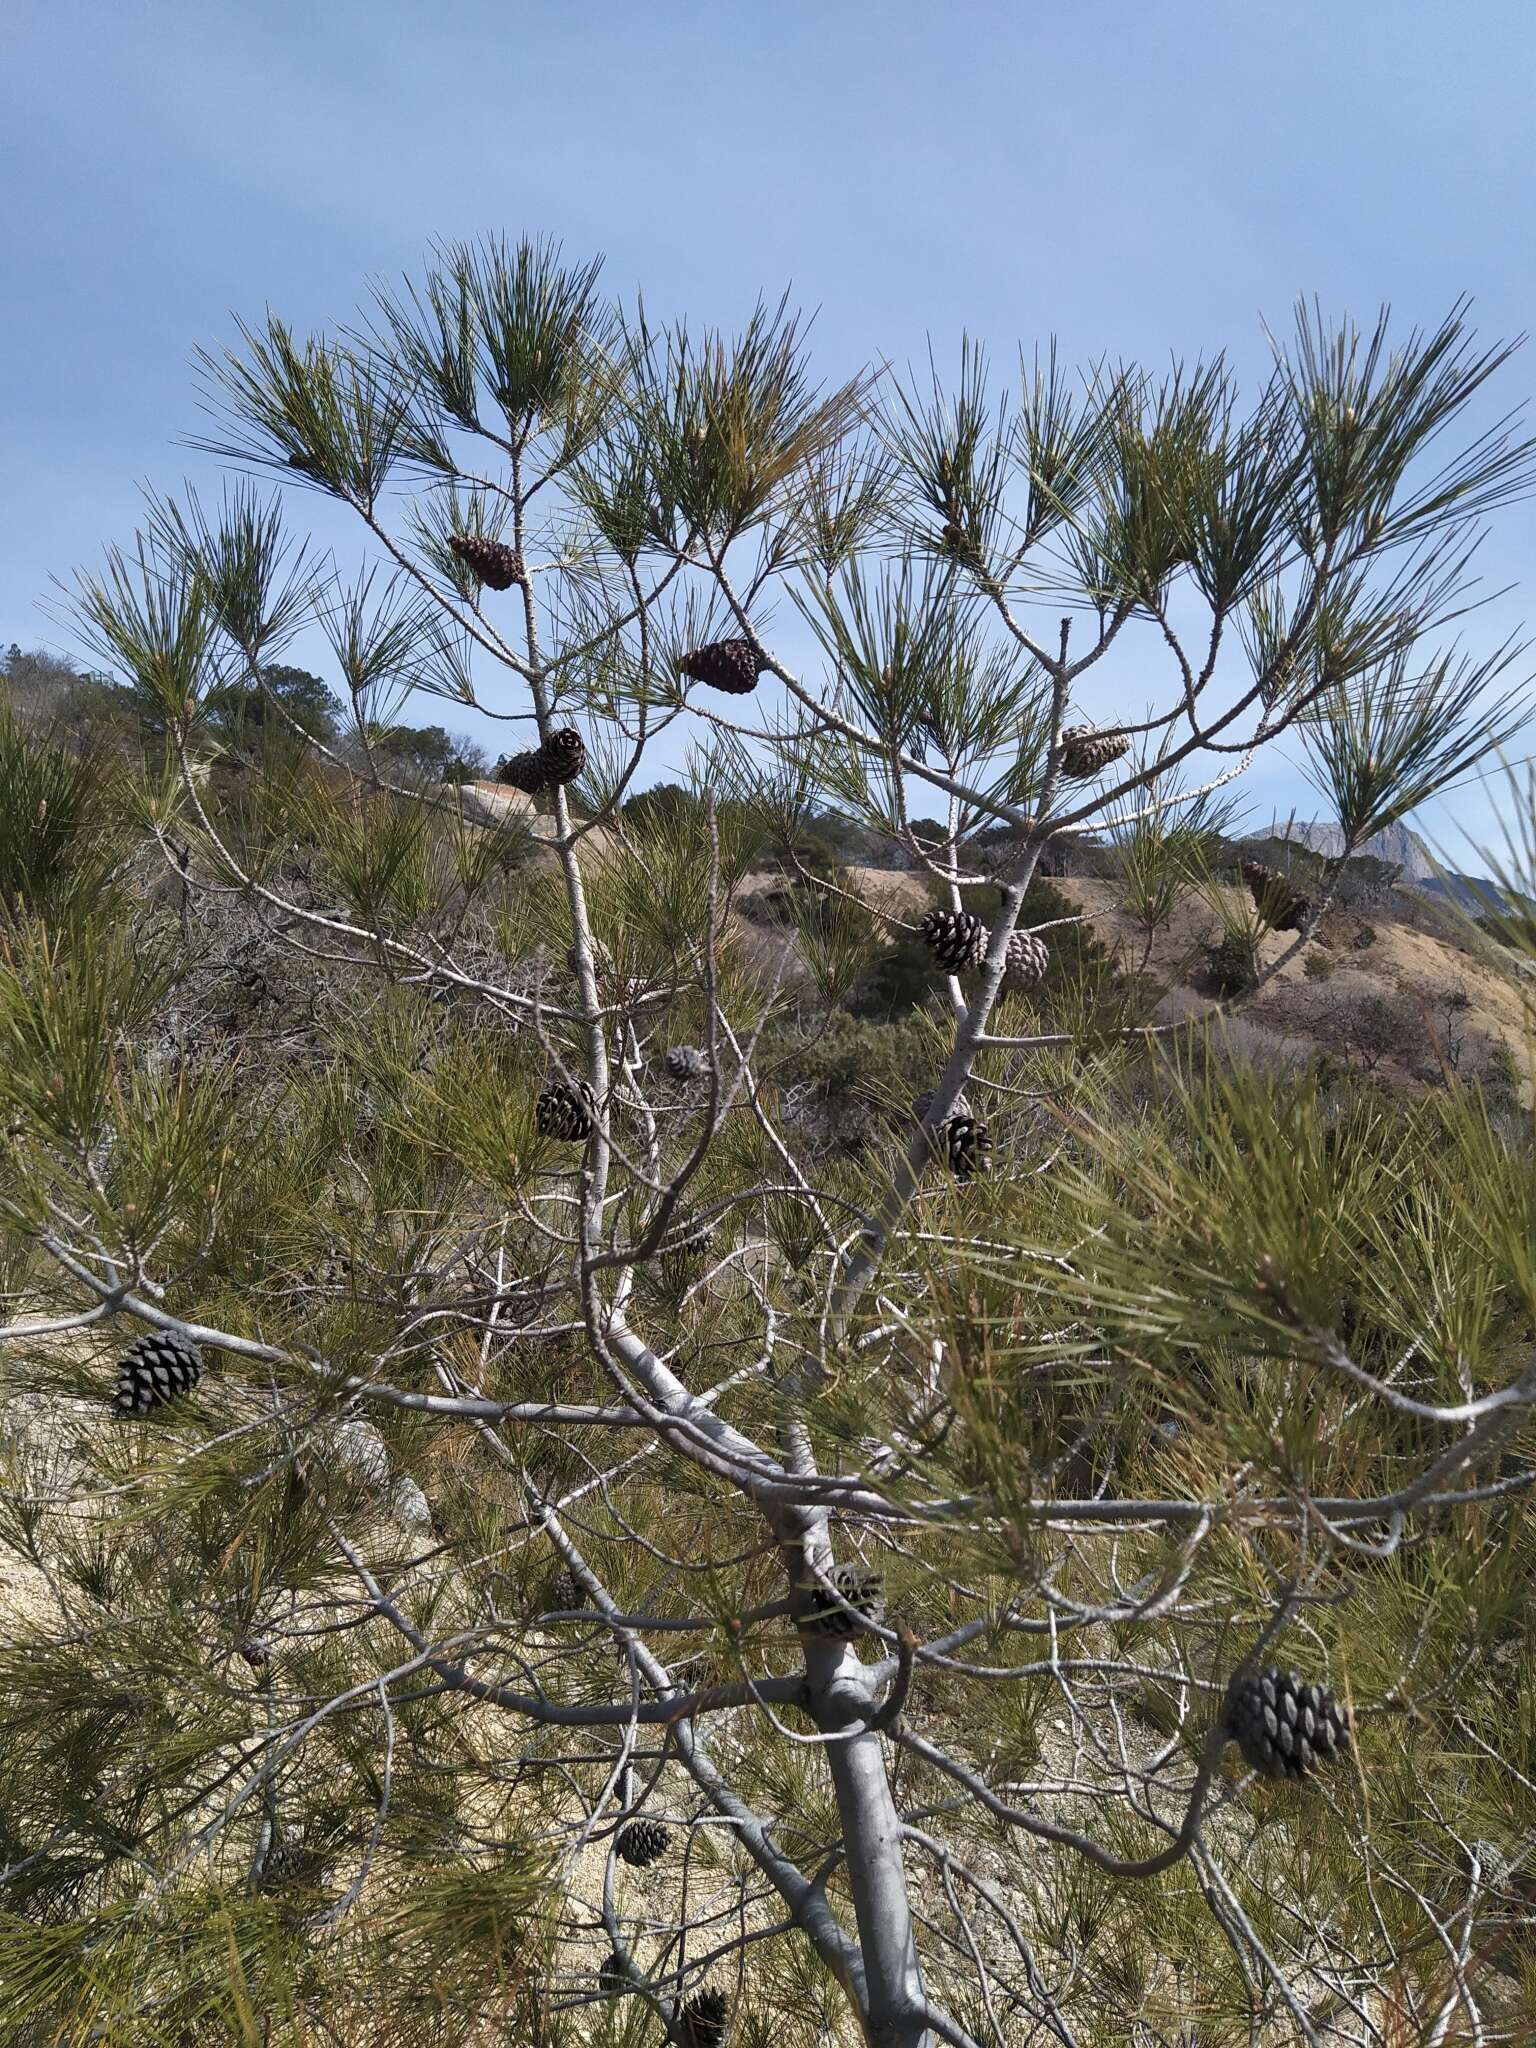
{"points": [[565, 754], [613, 1975], [492, 561], [290, 1863], [1086, 751], [255, 1651], [1284, 1725], [565, 1593], [701, 2019], [922, 1103], [528, 771], [686, 1063], [730, 665], [1028, 959], [861, 1587], [967, 1146], [957, 939], [565, 1112], [1281, 905], [155, 1370], [640, 1843]]}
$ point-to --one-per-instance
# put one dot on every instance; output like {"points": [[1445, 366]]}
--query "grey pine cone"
{"points": [[686, 1063], [1085, 751], [1284, 1725], [1028, 959], [564, 1594], [158, 1368], [565, 754], [289, 1864], [861, 1587]]}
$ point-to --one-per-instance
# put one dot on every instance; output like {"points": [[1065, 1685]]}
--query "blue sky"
{"points": [[1139, 179]]}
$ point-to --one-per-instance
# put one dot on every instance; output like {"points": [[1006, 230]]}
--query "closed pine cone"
{"points": [[1085, 751], [1284, 1725], [1028, 959], [1281, 905], [863, 1590], [957, 939], [565, 1592], [528, 771], [290, 1864], [565, 1112], [641, 1843], [730, 665], [155, 1370], [967, 1147], [686, 1063], [492, 561]]}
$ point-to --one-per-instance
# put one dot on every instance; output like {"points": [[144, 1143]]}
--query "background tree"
{"points": [[287, 699], [572, 1552], [428, 754]]}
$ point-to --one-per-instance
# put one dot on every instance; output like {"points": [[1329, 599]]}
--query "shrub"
{"points": [[1231, 964]]}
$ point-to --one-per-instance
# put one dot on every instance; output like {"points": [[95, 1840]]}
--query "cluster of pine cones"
{"points": [[492, 562], [957, 940], [557, 760]]}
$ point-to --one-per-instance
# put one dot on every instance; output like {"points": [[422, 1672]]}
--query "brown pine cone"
{"points": [[730, 665], [493, 563]]}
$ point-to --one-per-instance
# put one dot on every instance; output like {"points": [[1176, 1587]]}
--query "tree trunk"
{"points": [[897, 1998]]}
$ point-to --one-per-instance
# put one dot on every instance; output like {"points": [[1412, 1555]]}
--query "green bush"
{"points": [[53, 839], [1231, 964]]}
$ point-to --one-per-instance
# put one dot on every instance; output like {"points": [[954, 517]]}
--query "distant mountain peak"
{"points": [[1395, 843]]}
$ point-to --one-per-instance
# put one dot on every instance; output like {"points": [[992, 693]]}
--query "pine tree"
{"points": [[922, 1514]]}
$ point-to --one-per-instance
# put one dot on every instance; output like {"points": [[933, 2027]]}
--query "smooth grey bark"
{"points": [[896, 1999]]}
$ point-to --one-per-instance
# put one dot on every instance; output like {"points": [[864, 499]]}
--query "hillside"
{"points": [[1409, 991]]}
